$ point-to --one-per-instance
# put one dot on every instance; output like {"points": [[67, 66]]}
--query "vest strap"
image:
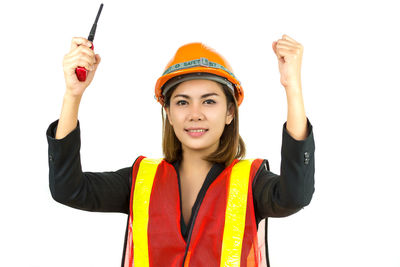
{"points": [[141, 201], [235, 214]]}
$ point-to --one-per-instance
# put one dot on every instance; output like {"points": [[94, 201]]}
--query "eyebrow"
{"points": [[203, 96]]}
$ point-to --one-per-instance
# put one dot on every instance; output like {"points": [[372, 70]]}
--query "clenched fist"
{"points": [[80, 55], [289, 54]]}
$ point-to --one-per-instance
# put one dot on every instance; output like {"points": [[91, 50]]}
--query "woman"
{"points": [[201, 204]]}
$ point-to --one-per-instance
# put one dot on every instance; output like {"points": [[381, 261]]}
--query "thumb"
{"points": [[274, 48], [95, 65], [98, 59], [97, 62], [280, 58]]}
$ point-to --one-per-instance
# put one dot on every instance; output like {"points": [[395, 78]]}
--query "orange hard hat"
{"points": [[197, 61]]}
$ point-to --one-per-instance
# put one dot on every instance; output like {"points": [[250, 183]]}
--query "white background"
{"points": [[350, 80]]}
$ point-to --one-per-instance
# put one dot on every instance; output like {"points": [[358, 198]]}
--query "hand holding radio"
{"points": [[81, 62], [80, 55]]}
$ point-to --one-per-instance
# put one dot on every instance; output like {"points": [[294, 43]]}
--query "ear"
{"points": [[230, 114], [168, 114]]}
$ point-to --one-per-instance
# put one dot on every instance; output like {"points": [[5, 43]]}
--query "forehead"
{"points": [[199, 87]]}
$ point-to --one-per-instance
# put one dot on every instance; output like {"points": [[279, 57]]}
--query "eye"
{"points": [[209, 101], [181, 102]]}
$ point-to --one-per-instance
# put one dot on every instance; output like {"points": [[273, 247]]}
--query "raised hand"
{"points": [[289, 54], [80, 55]]}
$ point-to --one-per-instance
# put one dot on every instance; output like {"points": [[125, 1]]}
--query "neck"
{"points": [[192, 165]]}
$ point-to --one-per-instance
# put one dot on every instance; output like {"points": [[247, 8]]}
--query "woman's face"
{"points": [[198, 113]]}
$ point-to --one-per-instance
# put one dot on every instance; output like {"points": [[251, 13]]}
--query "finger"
{"points": [[77, 41], [93, 71], [78, 61], [83, 52], [96, 64], [277, 52], [275, 48], [285, 53], [287, 37], [285, 45], [90, 74], [286, 42], [289, 45], [98, 59], [73, 63]]}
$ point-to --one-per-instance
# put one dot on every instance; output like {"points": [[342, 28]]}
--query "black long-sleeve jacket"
{"points": [[274, 195]]}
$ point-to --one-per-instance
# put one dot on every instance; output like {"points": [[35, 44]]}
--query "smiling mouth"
{"points": [[196, 131]]}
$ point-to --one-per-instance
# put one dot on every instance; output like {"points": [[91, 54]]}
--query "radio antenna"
{"points": [[93, 30]]}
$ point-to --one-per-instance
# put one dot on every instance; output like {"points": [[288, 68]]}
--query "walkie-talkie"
{"points": [[81, 72]]}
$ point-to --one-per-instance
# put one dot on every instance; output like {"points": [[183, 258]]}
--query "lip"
{"points": [[196, 134]]}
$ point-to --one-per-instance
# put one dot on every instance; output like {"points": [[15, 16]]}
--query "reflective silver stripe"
{"points": [[195, 76], [195, 63]]}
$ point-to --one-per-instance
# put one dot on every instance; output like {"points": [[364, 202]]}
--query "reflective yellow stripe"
{"points": [[235, 214], [141, 201]]}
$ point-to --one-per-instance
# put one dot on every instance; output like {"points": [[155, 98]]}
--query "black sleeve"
{"points": [[91, 191], [284, 194]]}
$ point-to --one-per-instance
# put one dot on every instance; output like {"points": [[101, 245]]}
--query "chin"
{"points": [[198, 147]]}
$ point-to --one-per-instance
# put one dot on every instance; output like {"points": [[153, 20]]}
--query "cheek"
{"points": [[218, 119], [177, 118]]}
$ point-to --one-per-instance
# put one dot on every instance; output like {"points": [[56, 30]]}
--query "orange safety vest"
{"points": [[224, 232]]}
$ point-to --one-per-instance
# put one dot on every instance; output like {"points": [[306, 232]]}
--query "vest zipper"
{"points": [[213, 174]]}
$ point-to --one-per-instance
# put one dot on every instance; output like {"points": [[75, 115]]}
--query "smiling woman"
{"points": [[202, 203]]}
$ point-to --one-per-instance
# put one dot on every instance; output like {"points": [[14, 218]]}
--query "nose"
{"points": [[196, 113]]}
